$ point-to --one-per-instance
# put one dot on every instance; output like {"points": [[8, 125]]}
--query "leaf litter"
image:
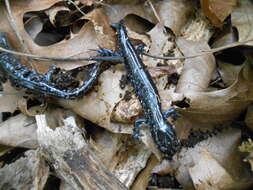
{"points": [[212, 93]]}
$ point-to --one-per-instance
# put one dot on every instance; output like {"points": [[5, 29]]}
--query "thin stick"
{"points": [[154, 11], [13, 23], [15, 29], [120, 59], [205, 52], [94, 58]]}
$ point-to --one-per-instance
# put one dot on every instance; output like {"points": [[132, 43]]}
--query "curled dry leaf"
{"points": [[53, 11], [225, 158], [242, 19], [224, 105], [197, 72], [143, 178], [32, 173]]}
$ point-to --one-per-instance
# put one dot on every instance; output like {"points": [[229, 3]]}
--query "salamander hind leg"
{"points": [[137, 127], [108, 52], [53, 69]]}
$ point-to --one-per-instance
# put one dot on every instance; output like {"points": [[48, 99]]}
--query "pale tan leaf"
{"points": [[209, 174], [19, 131]]}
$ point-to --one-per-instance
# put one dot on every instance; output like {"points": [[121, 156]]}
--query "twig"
{"points": [[73, 3], [120, 59], [205, 52], [94, 58], [15, 28], [154, 10]]}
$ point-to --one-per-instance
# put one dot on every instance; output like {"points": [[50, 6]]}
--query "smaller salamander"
{"points": [[23, 77], [161, 130]]}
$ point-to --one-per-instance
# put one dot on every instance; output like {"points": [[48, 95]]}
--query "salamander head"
{"points": [[165, 139], [118, 26], [3, 40]]}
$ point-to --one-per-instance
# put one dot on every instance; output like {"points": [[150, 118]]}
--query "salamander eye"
{"points": [[26, 73]]}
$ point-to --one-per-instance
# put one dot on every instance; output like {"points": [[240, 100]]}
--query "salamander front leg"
{"points": [[137, 127], [53, 69], [171, 113]]}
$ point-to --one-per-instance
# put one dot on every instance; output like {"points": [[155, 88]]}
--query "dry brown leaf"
{"points": [[104, 33], [217, 11], [173, 13], [197, 72], [78, 46], [242, 19]]}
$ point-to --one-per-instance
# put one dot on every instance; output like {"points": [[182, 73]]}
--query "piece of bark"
{"points": [[29, 172], [72, 158]]}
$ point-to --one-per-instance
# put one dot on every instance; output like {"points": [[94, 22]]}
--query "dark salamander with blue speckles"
{"points": [[26, 78], [161, 130]]}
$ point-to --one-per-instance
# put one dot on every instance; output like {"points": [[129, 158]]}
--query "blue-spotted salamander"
{"points": [[26, 78], [161, 130]]}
